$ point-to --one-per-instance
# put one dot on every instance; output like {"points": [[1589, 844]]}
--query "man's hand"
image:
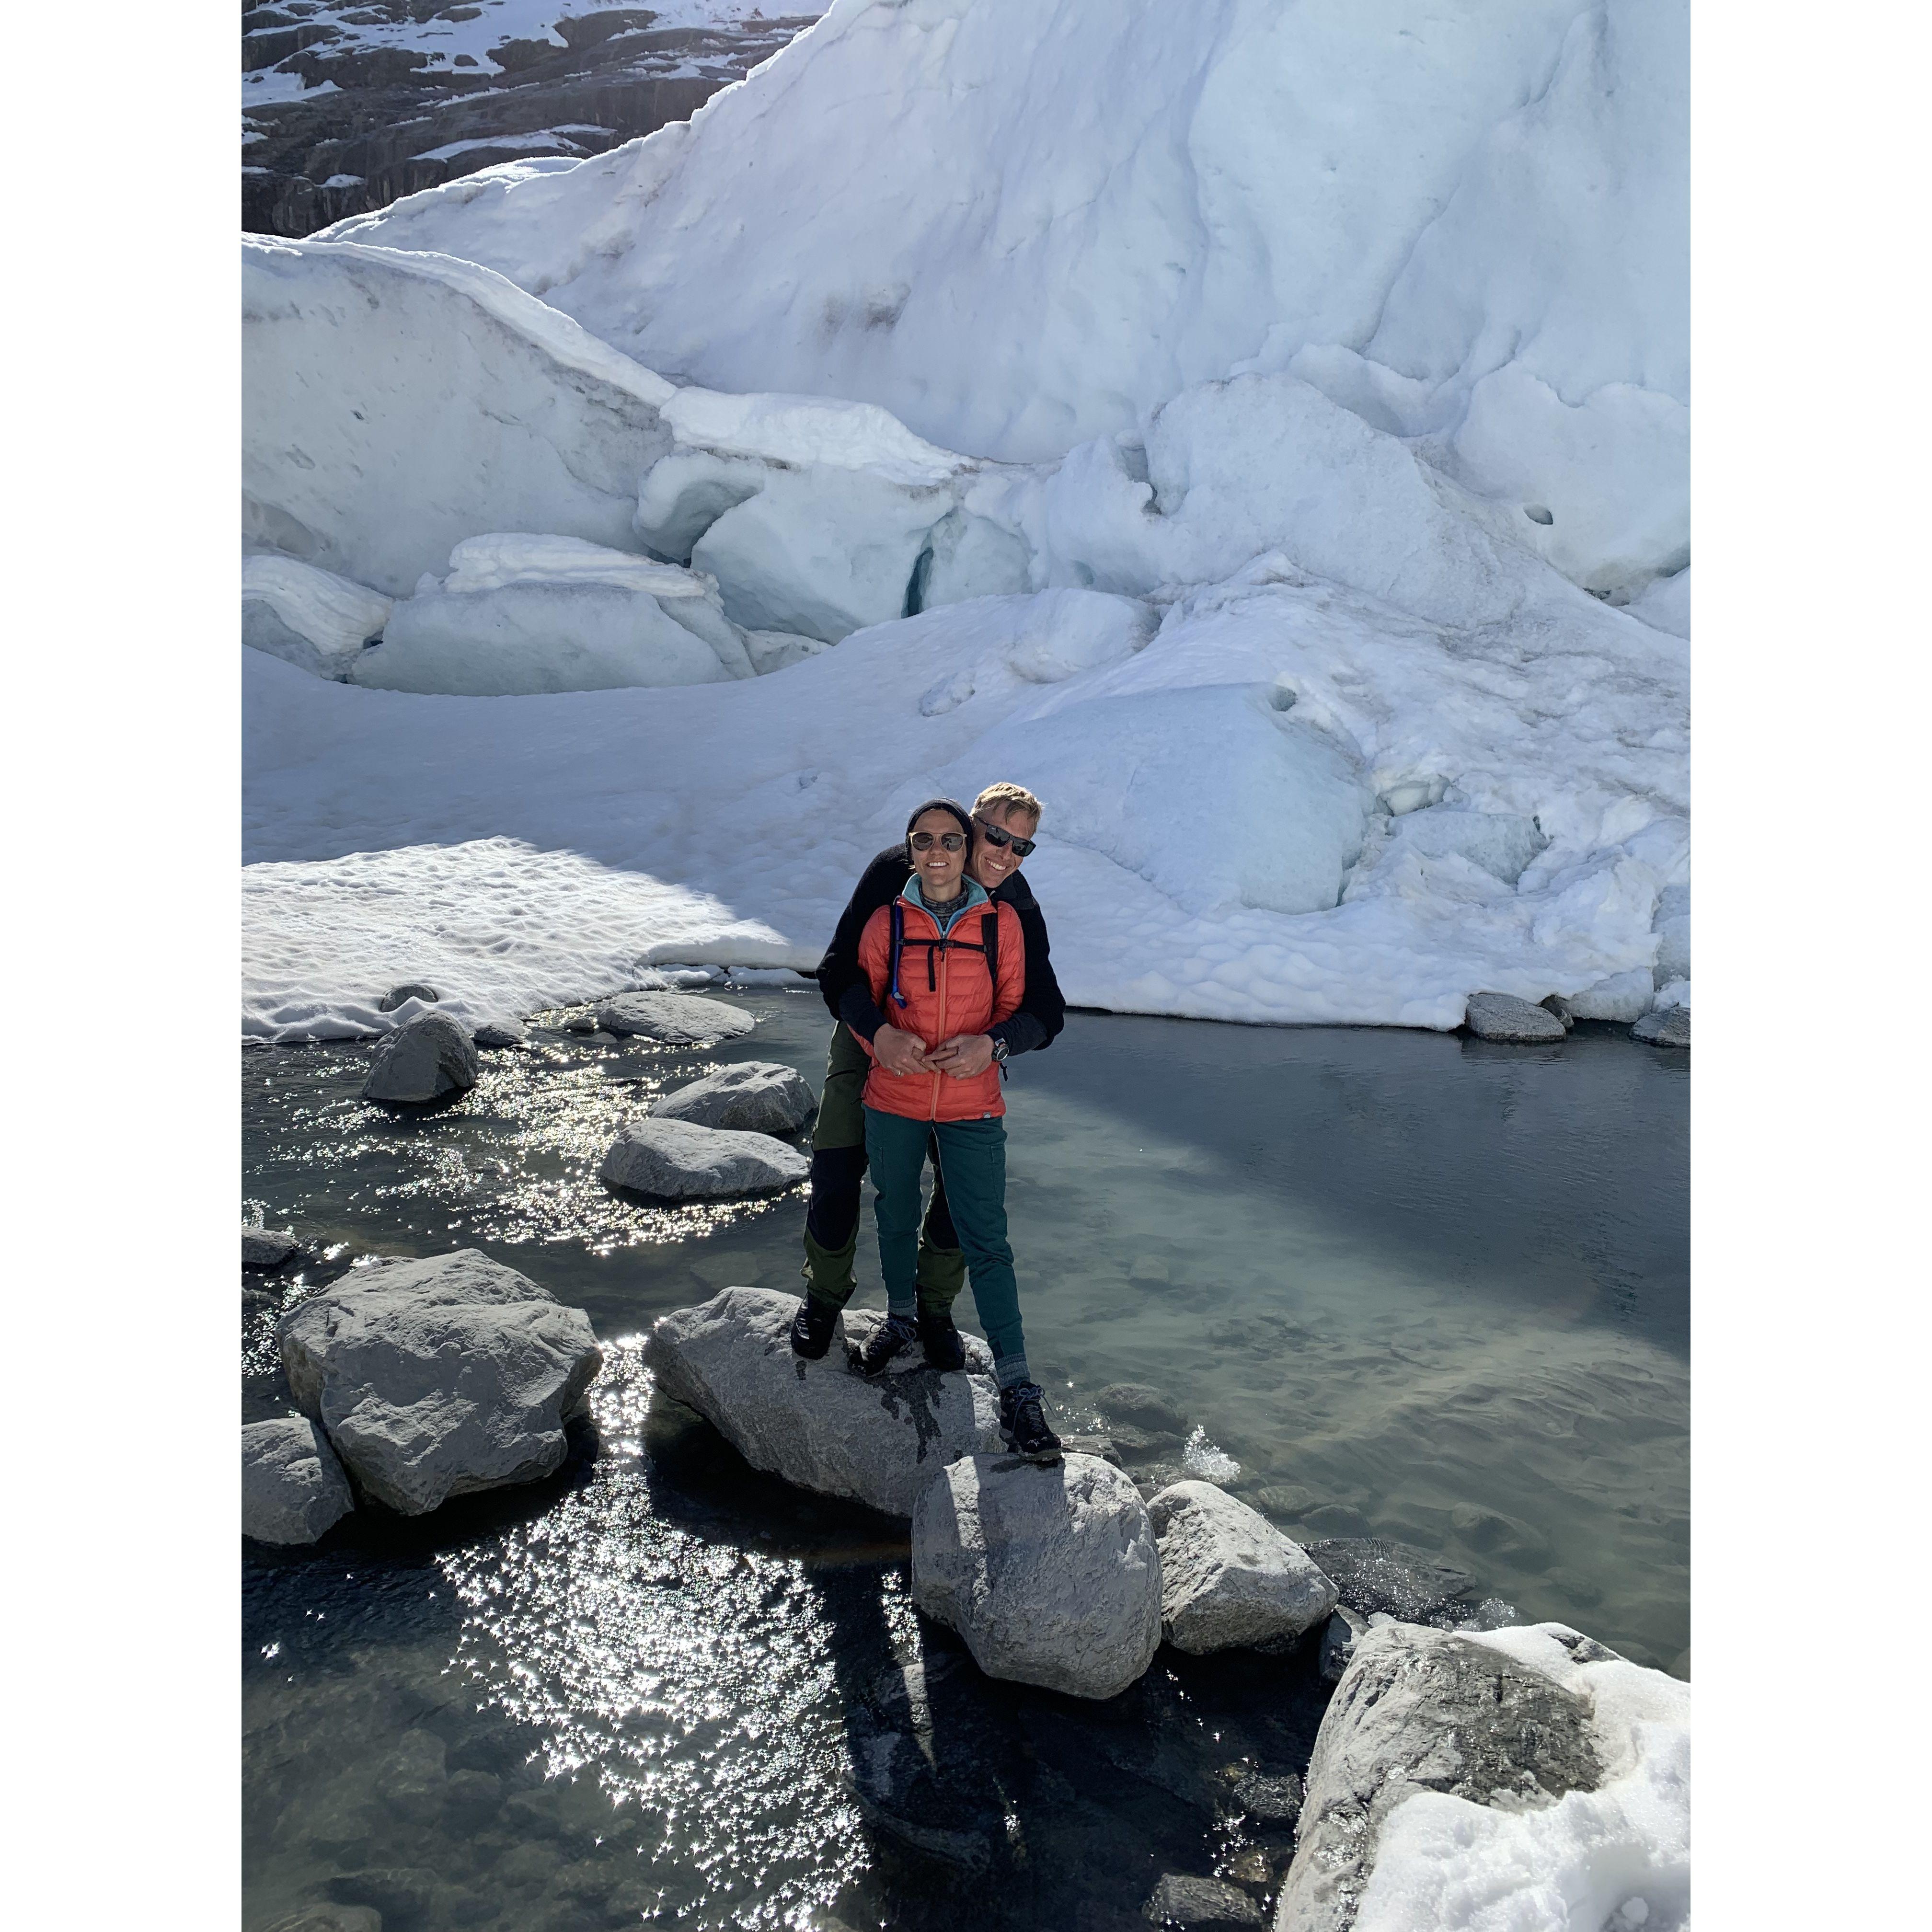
{"points": [[901, 1052], [964, 1055]]}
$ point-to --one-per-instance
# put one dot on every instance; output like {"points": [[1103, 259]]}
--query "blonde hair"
{"points": [[1005, 798]]}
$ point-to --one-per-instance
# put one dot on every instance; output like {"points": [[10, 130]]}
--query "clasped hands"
{"points": [[962, 1056]]}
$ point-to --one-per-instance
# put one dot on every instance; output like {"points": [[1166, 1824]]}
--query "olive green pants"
{"points": [[838, 1167]]}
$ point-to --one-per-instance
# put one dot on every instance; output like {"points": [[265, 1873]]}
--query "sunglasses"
{"points": [[923, 842], [995, 836]]}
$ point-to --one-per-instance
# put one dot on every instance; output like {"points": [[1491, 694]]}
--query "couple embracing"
{"points": [[937, 974]]}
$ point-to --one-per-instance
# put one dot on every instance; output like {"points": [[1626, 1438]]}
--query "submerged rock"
{"points": [[430, 1059], [816, 1423], [1669, 1026], [267, 1247], [675, 1160], [1185, 1903], [502, 1032], [1503, 1017], [1049, 1571], [1508, 1724], [1375, 1574], [1270, 1801], [330, 1919], [673, 1019], [1228, 1576], [1141, 1407], [293, 1489], [756, 1097], [400, 996], [435, 1378]]}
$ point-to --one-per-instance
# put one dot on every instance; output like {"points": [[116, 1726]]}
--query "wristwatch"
{"points": [[1000, 1051]]}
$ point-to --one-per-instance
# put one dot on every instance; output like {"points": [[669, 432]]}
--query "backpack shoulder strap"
{"points": [[989, 943], [899, 946]]}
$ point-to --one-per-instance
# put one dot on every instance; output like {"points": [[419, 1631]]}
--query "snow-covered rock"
{"points": [[1622, 996], [1049, 1572], [816, 1424], [679, 1160], [1503, 1017], [1520, 1776], [1183, 1902], [432, 1058], [1666, 1027], [437, 1377], [401, 995], [312, 619], [673, 1019], [1228, 1576], [755, 1096], [293, 1489]]}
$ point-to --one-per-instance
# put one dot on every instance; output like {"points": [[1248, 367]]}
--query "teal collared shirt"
{"points": [[947, 916]]}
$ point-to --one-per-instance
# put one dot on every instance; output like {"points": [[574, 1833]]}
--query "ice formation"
{"points": [[1215, 418]]}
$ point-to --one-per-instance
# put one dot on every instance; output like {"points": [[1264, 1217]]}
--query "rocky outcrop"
{"points": [[816, 1423], [1228, 1577], [1048, 1571], [293, 1489], [673, 1019], [431, 1059], [434, 1378], [756, 1097], [1502, 1016], [673, 1160], [1669, 1026], [1183, 1903]]}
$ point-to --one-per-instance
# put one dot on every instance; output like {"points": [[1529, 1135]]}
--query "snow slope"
{"points": [[1020, 225]]}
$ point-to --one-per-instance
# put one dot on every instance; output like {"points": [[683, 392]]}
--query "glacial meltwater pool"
{"points": [[1415, 1286]]}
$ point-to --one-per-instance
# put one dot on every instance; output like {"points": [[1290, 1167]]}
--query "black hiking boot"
{"points": [[1024, 1425], [944, 1350], [888, 1341], [811, 1328]]}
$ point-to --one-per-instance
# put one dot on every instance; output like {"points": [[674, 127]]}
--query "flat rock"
{"points": [[400, 996], [1228, 1576], [676, 1160], [1669, 1027], [435, 1378], [1502, 1016], [293, 1489], [1049, 1571], [1375, 1573], [1185, 1903], [502, 1032], [267, 1247], [816, 1424], [673, 1019], [1144, 1407], [756, 1097], [430, 1059], [1425, 1710]]}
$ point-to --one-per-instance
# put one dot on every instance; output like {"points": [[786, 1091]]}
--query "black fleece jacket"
{"points": [[1042, 1011]]}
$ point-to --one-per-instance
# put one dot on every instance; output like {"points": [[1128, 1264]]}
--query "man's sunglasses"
{"points": [[995, 836], [922, 841]]}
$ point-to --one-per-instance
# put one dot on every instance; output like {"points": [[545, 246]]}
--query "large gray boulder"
{"points": [[1419, 1710], [673, 1160], [1228, 1576], [673, 1019], [1669, 1027], [437, 1378], [756, 1097], [430, 1059], [816, 1423], [292, 1487], [1502, 1016], [1049, 1571]]}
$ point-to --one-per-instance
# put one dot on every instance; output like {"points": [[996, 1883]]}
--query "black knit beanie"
{"points": [[958, 811]]}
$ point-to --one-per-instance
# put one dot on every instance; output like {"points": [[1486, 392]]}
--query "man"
{"points": [[1005, 819]]}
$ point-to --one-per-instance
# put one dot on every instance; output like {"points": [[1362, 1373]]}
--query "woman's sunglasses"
{"points": [[922, 841], [995, 836]]}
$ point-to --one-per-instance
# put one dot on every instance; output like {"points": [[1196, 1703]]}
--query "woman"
{"points": [[944, 961]]}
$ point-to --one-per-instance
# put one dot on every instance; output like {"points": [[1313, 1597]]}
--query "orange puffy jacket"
{"points": [[946, 990]]}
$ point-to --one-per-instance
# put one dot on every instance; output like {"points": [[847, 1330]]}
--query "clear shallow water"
{"points": [[1413, 1286]]}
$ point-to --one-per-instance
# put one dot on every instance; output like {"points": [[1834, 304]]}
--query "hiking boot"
{"points": [[1023, 1425], [811, 1327], [888, 1341], [944, 1350]]}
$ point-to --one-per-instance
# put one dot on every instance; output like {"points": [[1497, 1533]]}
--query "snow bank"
{"points": [[1617, 1857], [1020, 225], [311, 618], [1205, 784]]}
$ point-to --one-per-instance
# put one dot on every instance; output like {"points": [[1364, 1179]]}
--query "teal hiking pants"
{"points": [[973, 1162]]}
